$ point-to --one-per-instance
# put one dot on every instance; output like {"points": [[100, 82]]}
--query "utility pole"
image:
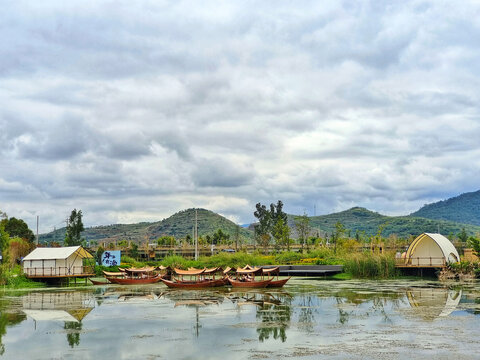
{"points": [[237, 231], [196, 236], [37, 230]]}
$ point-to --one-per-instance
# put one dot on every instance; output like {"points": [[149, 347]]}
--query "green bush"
{"points": [[15, 278], [289, 257]]}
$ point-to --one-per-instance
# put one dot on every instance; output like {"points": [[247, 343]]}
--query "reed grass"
{"points": [[368, 265]]}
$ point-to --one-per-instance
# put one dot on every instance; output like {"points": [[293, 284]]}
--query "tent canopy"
{"points": [[57, 253], [446, 247]]}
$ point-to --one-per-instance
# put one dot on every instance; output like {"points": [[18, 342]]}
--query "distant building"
{"points": [[430, 250], [57, 262]]}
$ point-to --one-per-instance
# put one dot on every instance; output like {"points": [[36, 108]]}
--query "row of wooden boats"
{"points": [[246, 277]]}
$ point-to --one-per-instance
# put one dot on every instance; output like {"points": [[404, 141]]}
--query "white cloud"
{"points": [[134, 111]]}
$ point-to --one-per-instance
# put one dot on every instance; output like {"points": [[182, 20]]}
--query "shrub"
{"points": [[288, 257]]}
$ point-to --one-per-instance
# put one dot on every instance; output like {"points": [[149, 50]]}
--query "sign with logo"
{"points": [[111, 258]]}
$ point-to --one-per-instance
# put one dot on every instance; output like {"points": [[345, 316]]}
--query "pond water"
{"points": [[307, 319]]}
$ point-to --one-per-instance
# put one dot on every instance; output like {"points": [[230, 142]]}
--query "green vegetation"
{"points": [[368, 265], [14, 278], [18, 228], [272, 223], [74, 229], [464, 208]]}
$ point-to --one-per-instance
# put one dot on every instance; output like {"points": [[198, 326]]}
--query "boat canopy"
{"points": [[189, 272], [227, 270], [213, 270], [145, 269], [255, 271], [272, 271], [110, 273]]}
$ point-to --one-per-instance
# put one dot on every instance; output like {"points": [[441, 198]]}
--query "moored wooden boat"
{"points": [[245, 278], [134, 280], [197, 278], [190, 284], [278, 283], [272, 272], [249, 283]]}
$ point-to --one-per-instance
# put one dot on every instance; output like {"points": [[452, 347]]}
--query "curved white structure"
{"points": [[431, 250]]}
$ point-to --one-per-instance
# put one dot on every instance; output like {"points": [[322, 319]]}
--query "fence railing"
{"points": [[421, 261], [59, 271]]}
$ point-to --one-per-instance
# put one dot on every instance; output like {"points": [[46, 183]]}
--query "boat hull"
{"points": [[191, 284], [140, 281], [249, 284], [277, 283]]}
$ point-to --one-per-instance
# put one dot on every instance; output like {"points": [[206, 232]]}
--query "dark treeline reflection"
{"points": [[274, 312]]}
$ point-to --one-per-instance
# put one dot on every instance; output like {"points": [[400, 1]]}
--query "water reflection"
{"points": [[273, 310], [310, 317], [430, 303], [7, 320], [71, 307]]}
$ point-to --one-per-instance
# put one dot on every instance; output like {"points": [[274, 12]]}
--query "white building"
{"points": [[57, 262]]}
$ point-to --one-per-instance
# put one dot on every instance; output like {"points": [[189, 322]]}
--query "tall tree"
{"points": [[475, 244], [462, 236], [281, 234], [279, 225], [272, 223], [74, 229], [262, 229], [18, 228], [337, 235], [302, 225]]}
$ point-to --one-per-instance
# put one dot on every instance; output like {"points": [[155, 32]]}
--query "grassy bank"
{"points": [[15, 279]]}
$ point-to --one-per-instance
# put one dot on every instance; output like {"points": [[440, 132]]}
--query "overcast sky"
{"points": [[134, 110]]}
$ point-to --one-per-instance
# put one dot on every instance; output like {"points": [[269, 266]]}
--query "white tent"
{"points": [[431, 250], [63, 261]]}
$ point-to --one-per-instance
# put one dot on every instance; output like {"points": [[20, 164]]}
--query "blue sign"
{"points": [[111, 258]]}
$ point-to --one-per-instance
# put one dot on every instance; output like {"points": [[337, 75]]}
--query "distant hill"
{"points": [[363, 220], [447, 217], [179, 225], [464, 208]]}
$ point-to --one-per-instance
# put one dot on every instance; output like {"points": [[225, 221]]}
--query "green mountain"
{"points": [[464, 208], [369, 223], [179, 225], [447, 217]]}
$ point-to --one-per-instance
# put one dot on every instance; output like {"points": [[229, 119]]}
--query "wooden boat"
{"points": [[245, 278], [133, 276], [134, 280], [249, 283], [198, 278], [190, 284], [95, 282], [275, 283]]}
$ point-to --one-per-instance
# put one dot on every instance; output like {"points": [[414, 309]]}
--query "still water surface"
{"points": [[308, 319]]}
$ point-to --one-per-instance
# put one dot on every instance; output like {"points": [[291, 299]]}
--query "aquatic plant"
{"points": [[368, 265]]}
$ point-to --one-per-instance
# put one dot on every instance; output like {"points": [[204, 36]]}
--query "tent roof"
{"points": [[443, 243], [57, 253]]}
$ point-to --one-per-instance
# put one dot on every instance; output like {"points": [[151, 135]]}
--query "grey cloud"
{"points": [[337, 104], [66, 139], [216, 172]]}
